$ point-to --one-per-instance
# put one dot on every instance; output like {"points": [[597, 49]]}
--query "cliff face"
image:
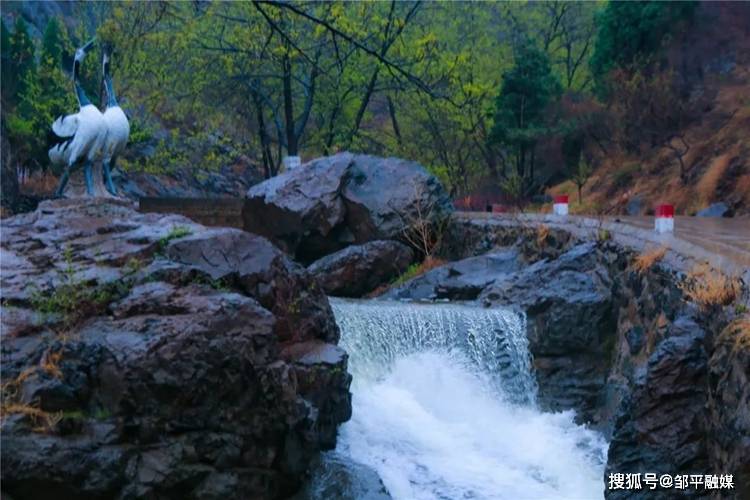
{"points": [[145, 355]]}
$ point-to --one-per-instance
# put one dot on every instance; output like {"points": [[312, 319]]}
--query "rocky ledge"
{"points": [[146, 356]]}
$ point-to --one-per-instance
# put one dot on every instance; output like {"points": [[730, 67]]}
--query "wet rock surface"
{"points": [[729, 404], [359, 269], [145, 356], [339, 200], [461, 280], [568, 304], [662, 426], [337, 478], [228, 181]]}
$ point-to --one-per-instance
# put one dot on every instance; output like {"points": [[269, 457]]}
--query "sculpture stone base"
{"points": [[76, 187]]}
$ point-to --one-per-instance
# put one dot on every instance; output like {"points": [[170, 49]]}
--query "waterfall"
{"points": [[492, 341], [443, 407]]}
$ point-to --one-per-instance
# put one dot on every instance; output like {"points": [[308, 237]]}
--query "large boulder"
{"points": [[461, 280], [146, 356], [345, 199], [719, 209], [359, 269], [568, 303]]}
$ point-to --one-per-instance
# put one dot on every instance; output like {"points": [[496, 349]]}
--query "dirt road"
{"points": [[724, 243]]}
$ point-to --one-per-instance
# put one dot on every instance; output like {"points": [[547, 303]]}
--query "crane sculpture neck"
{"points": [[83, 99], [111, 98]]}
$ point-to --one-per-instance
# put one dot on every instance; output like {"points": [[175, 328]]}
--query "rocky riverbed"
{"points": [[145, 355]]}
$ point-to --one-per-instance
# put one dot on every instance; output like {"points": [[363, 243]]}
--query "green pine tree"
{"points": [[631, 33], [7, 75], [521, 108], [22, 60]]}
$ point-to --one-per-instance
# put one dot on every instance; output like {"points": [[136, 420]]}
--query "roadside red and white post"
{"points": [[560, 206], [664, 221]]}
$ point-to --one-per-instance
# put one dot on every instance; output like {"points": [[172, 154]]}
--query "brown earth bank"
{"points": [[146, 356]]}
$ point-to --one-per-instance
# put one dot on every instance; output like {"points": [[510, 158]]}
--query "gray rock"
{"points": [[661, 427], [335, 477], [461, 280], [340, 200], [192, 364], [729, 407], [359, 269], [568, 303], [635, 339], [228, 181], [634, 206], [715, 210]]}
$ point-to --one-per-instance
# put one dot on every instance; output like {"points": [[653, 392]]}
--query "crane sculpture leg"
{"points": [[108, 166]]}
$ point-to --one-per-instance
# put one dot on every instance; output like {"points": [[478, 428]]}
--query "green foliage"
{"points": [[7, 76], [513, 188], [625, 174], [74, 299], [22, 57], [521, 108], [411, 272], [175, 233], [572, 147], [580, 175], [34, 95], [632, 32]]}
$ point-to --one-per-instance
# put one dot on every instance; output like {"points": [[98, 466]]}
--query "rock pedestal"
{"points": [[76, 187]]}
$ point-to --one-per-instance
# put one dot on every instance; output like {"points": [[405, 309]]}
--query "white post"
{"points": [[560, 206], [292, 162], [664, 220]]}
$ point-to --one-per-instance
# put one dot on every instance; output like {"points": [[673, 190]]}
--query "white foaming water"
{"points": [[443, 407]]}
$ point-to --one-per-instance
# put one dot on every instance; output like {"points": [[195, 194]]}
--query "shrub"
{"points": [[542, 232], [648, 259], [418, 269], [737, 334], [709, 287], [175, 233], [624, 175]]}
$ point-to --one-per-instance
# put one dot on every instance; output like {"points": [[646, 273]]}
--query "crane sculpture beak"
{"points": [[82, 51]]}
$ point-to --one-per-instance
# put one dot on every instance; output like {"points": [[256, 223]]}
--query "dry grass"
{"points": [[39, 184], [42, 421], [648, 259], [710, 287], [542, 232], [709, 182], [50, 363], [737, 333]]}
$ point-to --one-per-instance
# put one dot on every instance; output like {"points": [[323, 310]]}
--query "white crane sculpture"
{"points": [[118, 128], [79, 137]]}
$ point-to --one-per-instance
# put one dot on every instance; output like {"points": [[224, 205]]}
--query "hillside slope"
{"points": [[713, 59]]}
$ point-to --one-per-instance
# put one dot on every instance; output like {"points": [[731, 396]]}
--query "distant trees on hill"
{"points": [[478, 92]]}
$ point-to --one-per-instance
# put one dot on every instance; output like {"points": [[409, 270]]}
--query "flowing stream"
{"points": [[443, 408]]}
